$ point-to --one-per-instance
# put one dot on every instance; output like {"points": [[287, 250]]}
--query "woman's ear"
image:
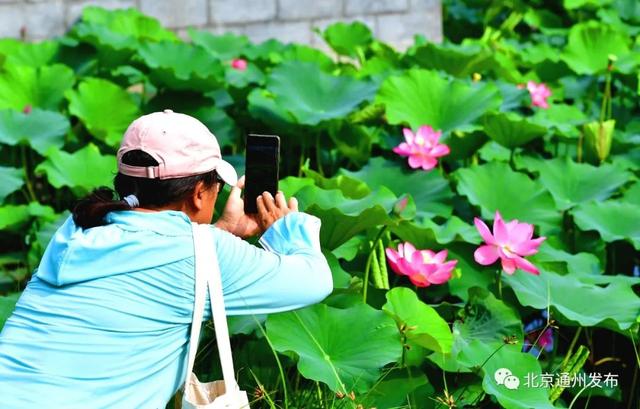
{"points": [[199, 197]]}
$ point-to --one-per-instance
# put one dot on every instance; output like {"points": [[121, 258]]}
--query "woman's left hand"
{"points": [[234, 219]]}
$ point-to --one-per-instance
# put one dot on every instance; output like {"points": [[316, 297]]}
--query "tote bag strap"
{"points": [[208, 275]]}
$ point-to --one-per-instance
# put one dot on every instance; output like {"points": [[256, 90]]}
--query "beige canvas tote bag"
{"points": [[217, 394]]}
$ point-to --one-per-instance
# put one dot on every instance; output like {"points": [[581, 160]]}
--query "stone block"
{"points": [[287, 32], [40, 20], [241, 11], [176, 14], [399, 30], [421, 5], [357, 7], [296, 9]]}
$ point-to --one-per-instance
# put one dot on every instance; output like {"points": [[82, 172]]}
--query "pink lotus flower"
{"points": [[423, 267], [539, 94], [510, 242], [239, 64], [422, 148]]}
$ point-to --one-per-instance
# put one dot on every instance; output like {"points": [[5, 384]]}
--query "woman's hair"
{"points": [[90, 211]]}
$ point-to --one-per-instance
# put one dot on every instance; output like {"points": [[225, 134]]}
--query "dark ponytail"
{"points": [[151, 193]]}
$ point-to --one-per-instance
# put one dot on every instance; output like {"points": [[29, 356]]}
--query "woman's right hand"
{"points": [[271, 209]]}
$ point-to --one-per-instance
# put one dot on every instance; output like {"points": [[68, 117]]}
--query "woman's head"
{"points": [[167, 161]]}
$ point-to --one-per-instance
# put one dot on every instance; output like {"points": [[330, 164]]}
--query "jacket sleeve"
{"points": [[289, 272]]}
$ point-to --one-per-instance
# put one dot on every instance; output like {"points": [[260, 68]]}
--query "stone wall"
{"points": [[393, 21]]}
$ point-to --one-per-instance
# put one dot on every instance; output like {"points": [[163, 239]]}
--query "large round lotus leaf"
{"points": [[88, 103], [242, 78], [458, 60], [44, 87], [218, 122], [587, 300], [11, 179], [494, 186], [344, 348], [263, 106], [182, 66], [590, 44], [14, 218], [116, 34], [348, 39], [326, 97], [342, 218], [224, 47], [430, 191], [395, 388], [421, 97], [562, 118], [510, 129], [422, 323], [82, 170], [7, 304], [32, 54], [572, 183], [39, 129], [613, 220]]}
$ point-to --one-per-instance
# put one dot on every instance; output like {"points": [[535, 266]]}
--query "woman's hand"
{"points": [[237, 222], [270, 210]]}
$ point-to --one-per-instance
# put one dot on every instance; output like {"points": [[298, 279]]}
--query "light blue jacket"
{"points": [[104, 322]]}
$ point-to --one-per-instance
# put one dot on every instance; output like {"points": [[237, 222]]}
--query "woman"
{"points": [[104, 321]]}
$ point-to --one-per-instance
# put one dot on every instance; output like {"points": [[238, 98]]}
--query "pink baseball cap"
{"points": [[182, 145]]}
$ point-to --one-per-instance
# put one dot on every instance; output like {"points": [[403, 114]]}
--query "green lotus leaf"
{"points": [[393, 390], [182, 66], [349, 186], [46, 228], [117, 34], [341, 278], [493, 151], [43, 87], [511, 130], [494, 186], [242, 78], [521, 364], [88, 103], [425, 233], [218, 122], [224, 47], [471, 274], [590, 44], [458, 60], [579, 299], [269, 51], [572, 183], [348, 39], [342, 217], [11, 179], [632, 195], [344, 348], [32, 54], [562, 118], [263, 106], [305, 53], [311, 102], [353, 141], [7, 304], [421, 322], [561, 262], [487, 320], [613, 220], [39, 129], [82, 170], [421, 97], [430, 191], [15, 217]]}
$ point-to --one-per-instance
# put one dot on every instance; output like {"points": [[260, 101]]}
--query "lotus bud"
{"points": [[598, 137]]}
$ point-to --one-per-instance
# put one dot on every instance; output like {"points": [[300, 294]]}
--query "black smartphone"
{"points": [[261, 168]]}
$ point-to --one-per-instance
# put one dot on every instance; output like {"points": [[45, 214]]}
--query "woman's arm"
{"points": [[289, 273]]}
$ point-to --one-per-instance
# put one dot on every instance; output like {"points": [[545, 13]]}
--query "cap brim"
{"points": [[227, 172]]}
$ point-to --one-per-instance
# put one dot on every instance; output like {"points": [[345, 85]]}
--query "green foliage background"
{"points": [[571, 170]]}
